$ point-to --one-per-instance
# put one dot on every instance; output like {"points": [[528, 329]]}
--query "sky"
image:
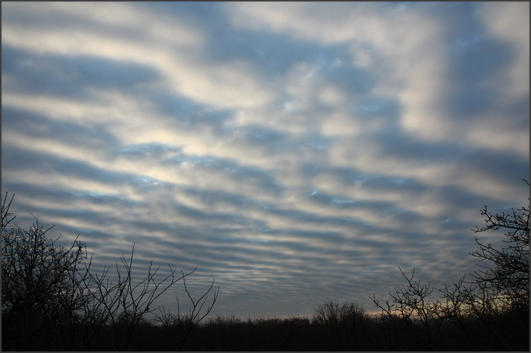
{"points": [[297, 153]]}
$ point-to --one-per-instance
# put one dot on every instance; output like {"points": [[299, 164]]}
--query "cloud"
{"points": [[504, 23], [217, 83], [410, 59], [297, 152]]}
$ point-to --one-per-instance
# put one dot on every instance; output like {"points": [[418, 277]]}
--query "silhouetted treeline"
{"points": [[295, 334], [363, 333]]}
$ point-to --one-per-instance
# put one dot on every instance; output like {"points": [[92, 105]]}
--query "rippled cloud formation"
{"points": [[296, 152]]}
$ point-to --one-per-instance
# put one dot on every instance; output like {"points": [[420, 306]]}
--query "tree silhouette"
{"points": [[52, 300], [491, 309], [509, 277]]}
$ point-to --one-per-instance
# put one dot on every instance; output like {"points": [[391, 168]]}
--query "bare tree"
{"points": [[39, 286], [412, 311], [187, 321], [509, 276], [51, 299], [490, 307]]}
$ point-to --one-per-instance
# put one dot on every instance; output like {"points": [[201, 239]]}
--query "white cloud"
{"points": [[332, 95], [405, 46], [343, 123], [509, 21], [317, 21], [223, 85]]}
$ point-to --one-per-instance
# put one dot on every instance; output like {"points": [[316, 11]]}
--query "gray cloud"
{"points": [[37, 125], [48, 74]]}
